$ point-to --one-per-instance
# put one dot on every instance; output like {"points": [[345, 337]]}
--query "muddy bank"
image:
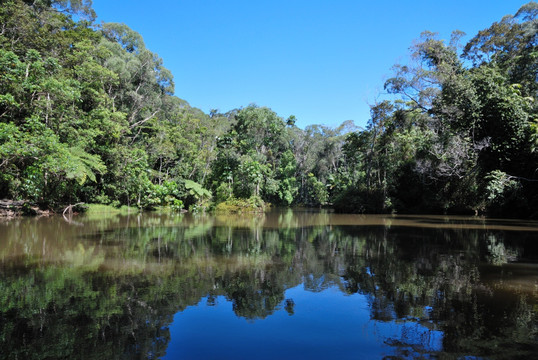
{"points": [[14, 208]]}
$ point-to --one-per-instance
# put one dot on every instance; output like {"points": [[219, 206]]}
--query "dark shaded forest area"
{"points": [[87, 114]]}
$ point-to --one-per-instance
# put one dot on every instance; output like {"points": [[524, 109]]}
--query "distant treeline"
{"points": [[87, 114]]}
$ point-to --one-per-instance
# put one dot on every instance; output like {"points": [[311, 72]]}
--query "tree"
{"points": [[511, 44]]}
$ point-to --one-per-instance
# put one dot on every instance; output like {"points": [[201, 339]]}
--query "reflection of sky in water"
{"points": [[127, 278], [326, 324]]}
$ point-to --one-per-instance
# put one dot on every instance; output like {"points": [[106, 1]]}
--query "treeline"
{"points": [[462, 136], [87, 114]]}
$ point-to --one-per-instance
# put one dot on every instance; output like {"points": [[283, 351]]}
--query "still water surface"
{"points": [[286, 284]]}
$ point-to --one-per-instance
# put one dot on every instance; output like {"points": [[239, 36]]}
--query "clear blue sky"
{"points": [[323, 61]]}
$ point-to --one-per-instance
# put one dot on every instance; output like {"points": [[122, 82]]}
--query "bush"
{"points": [[355, 201], [234, 205]]}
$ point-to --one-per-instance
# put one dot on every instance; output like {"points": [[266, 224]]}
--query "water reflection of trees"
{"points": [[433, 278], [115, 289]]}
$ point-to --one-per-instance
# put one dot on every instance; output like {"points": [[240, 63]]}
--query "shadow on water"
{"points": [[391, 286]]}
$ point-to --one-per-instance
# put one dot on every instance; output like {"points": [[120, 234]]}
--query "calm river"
{"points": [[284, 285]]}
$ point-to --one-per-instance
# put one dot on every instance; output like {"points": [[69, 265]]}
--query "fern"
{"points": [[196, 189], [83, 166]]}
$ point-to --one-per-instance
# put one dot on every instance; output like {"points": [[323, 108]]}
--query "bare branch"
{"points": [[144, 120]]}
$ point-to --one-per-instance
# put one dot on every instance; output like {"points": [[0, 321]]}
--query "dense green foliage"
{"points": [[460, 139], [87, 114]]}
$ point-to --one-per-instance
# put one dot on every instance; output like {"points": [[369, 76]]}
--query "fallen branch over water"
{"points": [[70, 208]]}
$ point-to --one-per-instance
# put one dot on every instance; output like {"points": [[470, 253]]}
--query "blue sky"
{"points": [[322, 61]]}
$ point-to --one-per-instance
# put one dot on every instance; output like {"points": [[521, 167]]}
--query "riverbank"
{"points": [[14, 208]]}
